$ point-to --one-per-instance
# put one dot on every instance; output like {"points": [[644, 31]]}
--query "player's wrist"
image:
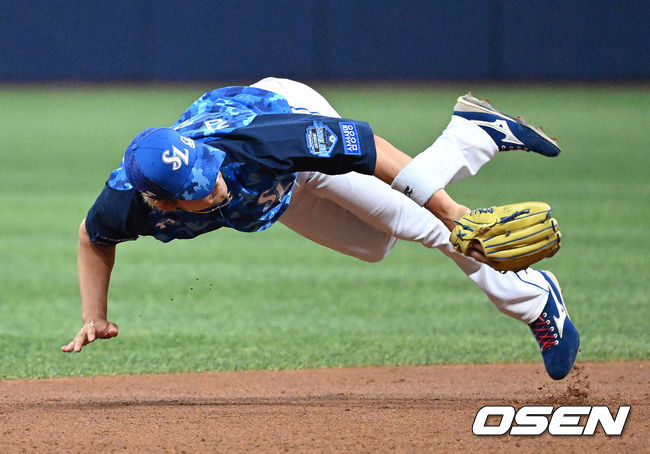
{"points": [[445, 208], [87, 317], [416, 183]]}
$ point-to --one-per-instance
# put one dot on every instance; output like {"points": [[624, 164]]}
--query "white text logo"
{"points": [[177, 158], [534, 420]]}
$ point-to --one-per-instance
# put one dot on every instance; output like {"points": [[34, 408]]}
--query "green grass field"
{"points": [[272, 300]]}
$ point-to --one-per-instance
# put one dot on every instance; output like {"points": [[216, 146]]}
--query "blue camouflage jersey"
{"points": [[265, 146]]}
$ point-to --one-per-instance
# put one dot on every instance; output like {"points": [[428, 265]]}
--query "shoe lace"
{"points": [[544, 332]]}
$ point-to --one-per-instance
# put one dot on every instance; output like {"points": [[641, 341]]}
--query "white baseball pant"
{"points": [[361, 216]]}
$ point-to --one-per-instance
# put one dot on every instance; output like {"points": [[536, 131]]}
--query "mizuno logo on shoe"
{"points": [[502, 127], [559, 321]]}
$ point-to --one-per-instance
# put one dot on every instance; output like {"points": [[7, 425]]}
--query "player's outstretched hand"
{"points": [[100, 329]]}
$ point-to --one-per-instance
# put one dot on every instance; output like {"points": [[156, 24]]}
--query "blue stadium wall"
{"points": [[324, 40]]}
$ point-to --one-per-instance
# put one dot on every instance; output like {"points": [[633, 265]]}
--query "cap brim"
{"points": [[203, 177]]}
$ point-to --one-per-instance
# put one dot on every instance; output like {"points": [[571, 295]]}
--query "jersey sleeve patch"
{"points": [[320, 140]]}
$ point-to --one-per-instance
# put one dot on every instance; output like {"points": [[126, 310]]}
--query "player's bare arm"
{"points": [[95, 264], [390, 161]]}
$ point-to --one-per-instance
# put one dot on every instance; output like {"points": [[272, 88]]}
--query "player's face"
{"points": [[206, 204]]}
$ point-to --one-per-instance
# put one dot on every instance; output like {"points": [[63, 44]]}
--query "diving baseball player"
{"points": [[247, 157]]}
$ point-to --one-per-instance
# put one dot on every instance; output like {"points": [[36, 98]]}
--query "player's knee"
{"points": [[377, 254], [374, 258]]}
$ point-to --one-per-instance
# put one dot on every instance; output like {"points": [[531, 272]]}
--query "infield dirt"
{"points": [[374, 409]]}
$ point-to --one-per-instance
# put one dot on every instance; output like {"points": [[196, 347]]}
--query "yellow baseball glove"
{"points": [[512, 237]]}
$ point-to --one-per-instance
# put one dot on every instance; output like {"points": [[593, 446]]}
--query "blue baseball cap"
{"points": [[163, 164]]}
